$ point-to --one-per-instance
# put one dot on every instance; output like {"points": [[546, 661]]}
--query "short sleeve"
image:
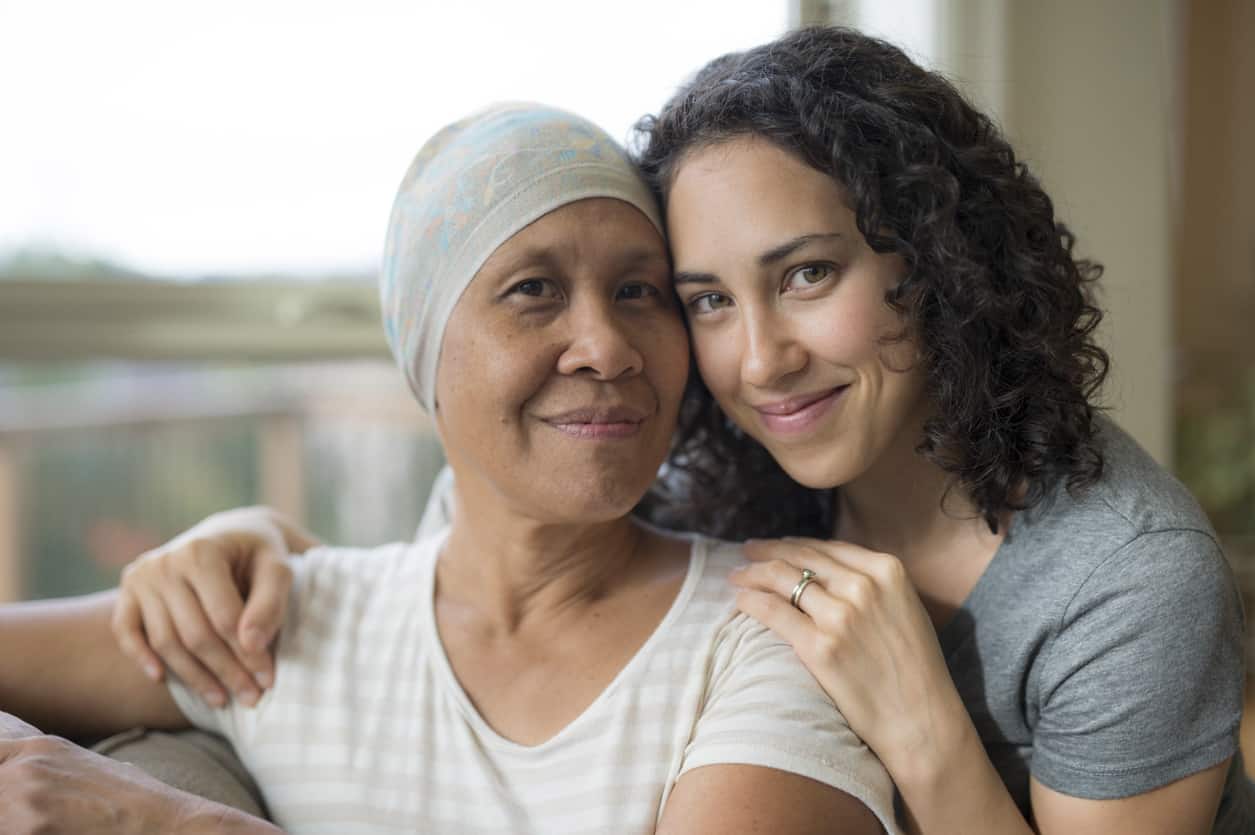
{"points": [[764, 708], [1142, 683]]}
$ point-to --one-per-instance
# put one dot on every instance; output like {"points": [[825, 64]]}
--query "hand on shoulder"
{"points": [[208, 604]]}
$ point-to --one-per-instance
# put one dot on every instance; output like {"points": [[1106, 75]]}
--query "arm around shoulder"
{"points": [[62, 670]]}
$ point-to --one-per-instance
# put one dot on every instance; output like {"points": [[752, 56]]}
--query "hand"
{"points": [[210, 602], [864, 634], [48, 785]]}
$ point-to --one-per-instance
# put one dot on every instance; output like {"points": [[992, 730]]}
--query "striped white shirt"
{"points": [[366, 729]]}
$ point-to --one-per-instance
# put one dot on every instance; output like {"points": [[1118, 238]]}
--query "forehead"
{"points": [[601, 231], [749, 193]]}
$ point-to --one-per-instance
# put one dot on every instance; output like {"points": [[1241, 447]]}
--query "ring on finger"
{"points": [[808, 577]]}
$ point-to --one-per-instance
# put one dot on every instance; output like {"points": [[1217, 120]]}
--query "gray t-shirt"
{"points": [[1101, 651]]}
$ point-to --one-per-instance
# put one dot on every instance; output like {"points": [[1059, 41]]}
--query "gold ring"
{"points": [[808, 577]]}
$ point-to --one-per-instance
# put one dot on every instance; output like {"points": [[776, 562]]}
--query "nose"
{"points": [[770, 352], [600, 345]]}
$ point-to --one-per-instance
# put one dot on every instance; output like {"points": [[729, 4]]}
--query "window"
{"points": [[193, 203]]}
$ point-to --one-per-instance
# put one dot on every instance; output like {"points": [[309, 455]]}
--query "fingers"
{"points": [[242, 668], [781, 578], [885, 568], [219, 599], [165, 640], [270, 582], [201, 641], [269, 585], [831, 559], [778, 615], [128, 631]]}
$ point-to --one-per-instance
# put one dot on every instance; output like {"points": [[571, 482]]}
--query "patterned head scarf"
{"points": [[472, 186]]}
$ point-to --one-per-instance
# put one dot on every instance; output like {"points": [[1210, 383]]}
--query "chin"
{"points": [[817, 472], [594, 498]]}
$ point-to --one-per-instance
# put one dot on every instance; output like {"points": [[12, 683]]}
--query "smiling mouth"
{"points": [[798, 414], [599, 423]]}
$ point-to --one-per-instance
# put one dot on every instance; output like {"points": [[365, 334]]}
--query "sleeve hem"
{"points": [[196, 712], [1093, 783], [880, 804]]}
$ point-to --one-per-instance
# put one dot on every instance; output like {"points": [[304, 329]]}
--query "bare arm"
{"points": [[62, 670], [969, 789], [744, 799], [1186, 807]]}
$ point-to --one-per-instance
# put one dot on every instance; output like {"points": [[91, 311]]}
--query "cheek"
{"points": [[716, 352], [839, 335], [483, 376], [852, 329], [672, 378]]}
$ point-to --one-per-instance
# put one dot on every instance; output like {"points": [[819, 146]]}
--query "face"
{"points": [[563, 366], [786, 307]]}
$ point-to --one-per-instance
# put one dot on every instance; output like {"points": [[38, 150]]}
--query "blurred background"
{"points": [[193, 199]]}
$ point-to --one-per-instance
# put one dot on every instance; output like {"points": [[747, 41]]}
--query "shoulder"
{"points": [[1134, 488], [761, 706], [342, 572], [1132, 546], [1136, 518], [719, 557], [337, 592]]}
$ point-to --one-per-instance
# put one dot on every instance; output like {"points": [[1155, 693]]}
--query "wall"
{"points": [[1087, 93]]}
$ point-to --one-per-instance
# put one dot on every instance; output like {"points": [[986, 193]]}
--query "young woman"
{"points": [[547, 664], [1028, 621]]}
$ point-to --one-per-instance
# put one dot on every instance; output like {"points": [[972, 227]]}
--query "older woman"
{"points": [[547, 664]]}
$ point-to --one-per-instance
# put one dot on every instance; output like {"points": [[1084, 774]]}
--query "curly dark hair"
{"points": [[1002, 311]]}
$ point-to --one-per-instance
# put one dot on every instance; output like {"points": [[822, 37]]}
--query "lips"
{"points": [[796, 415], [598, 422]]}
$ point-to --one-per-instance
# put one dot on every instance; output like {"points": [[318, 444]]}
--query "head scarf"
{"points": [[472, 186]]}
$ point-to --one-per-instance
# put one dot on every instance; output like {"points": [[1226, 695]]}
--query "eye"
{"points": [[708, 303], [637, 291], [540, 288], [807, 275]]}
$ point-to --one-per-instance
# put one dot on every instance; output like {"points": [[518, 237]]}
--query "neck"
{"points": [[906, 505], [509, 570]]}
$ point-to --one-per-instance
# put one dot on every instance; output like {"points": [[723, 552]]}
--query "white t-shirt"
{"points": [[367, 730]]}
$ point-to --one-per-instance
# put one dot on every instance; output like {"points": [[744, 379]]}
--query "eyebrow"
{"points": [[548, 258], [787, 248], [766, 259]]}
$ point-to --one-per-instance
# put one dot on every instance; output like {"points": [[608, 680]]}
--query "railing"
{"points": [[287, 420]]}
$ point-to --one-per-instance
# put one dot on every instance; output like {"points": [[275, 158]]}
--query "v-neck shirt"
{"points": [[367, 729]]}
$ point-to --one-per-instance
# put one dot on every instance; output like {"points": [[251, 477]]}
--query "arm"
{"points": [[61, 670], [969, 789], [861, 625], [744, 799]]}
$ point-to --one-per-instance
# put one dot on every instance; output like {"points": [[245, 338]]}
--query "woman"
{"points": [[1020, 613], [547, 664], [1027, 620]]}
